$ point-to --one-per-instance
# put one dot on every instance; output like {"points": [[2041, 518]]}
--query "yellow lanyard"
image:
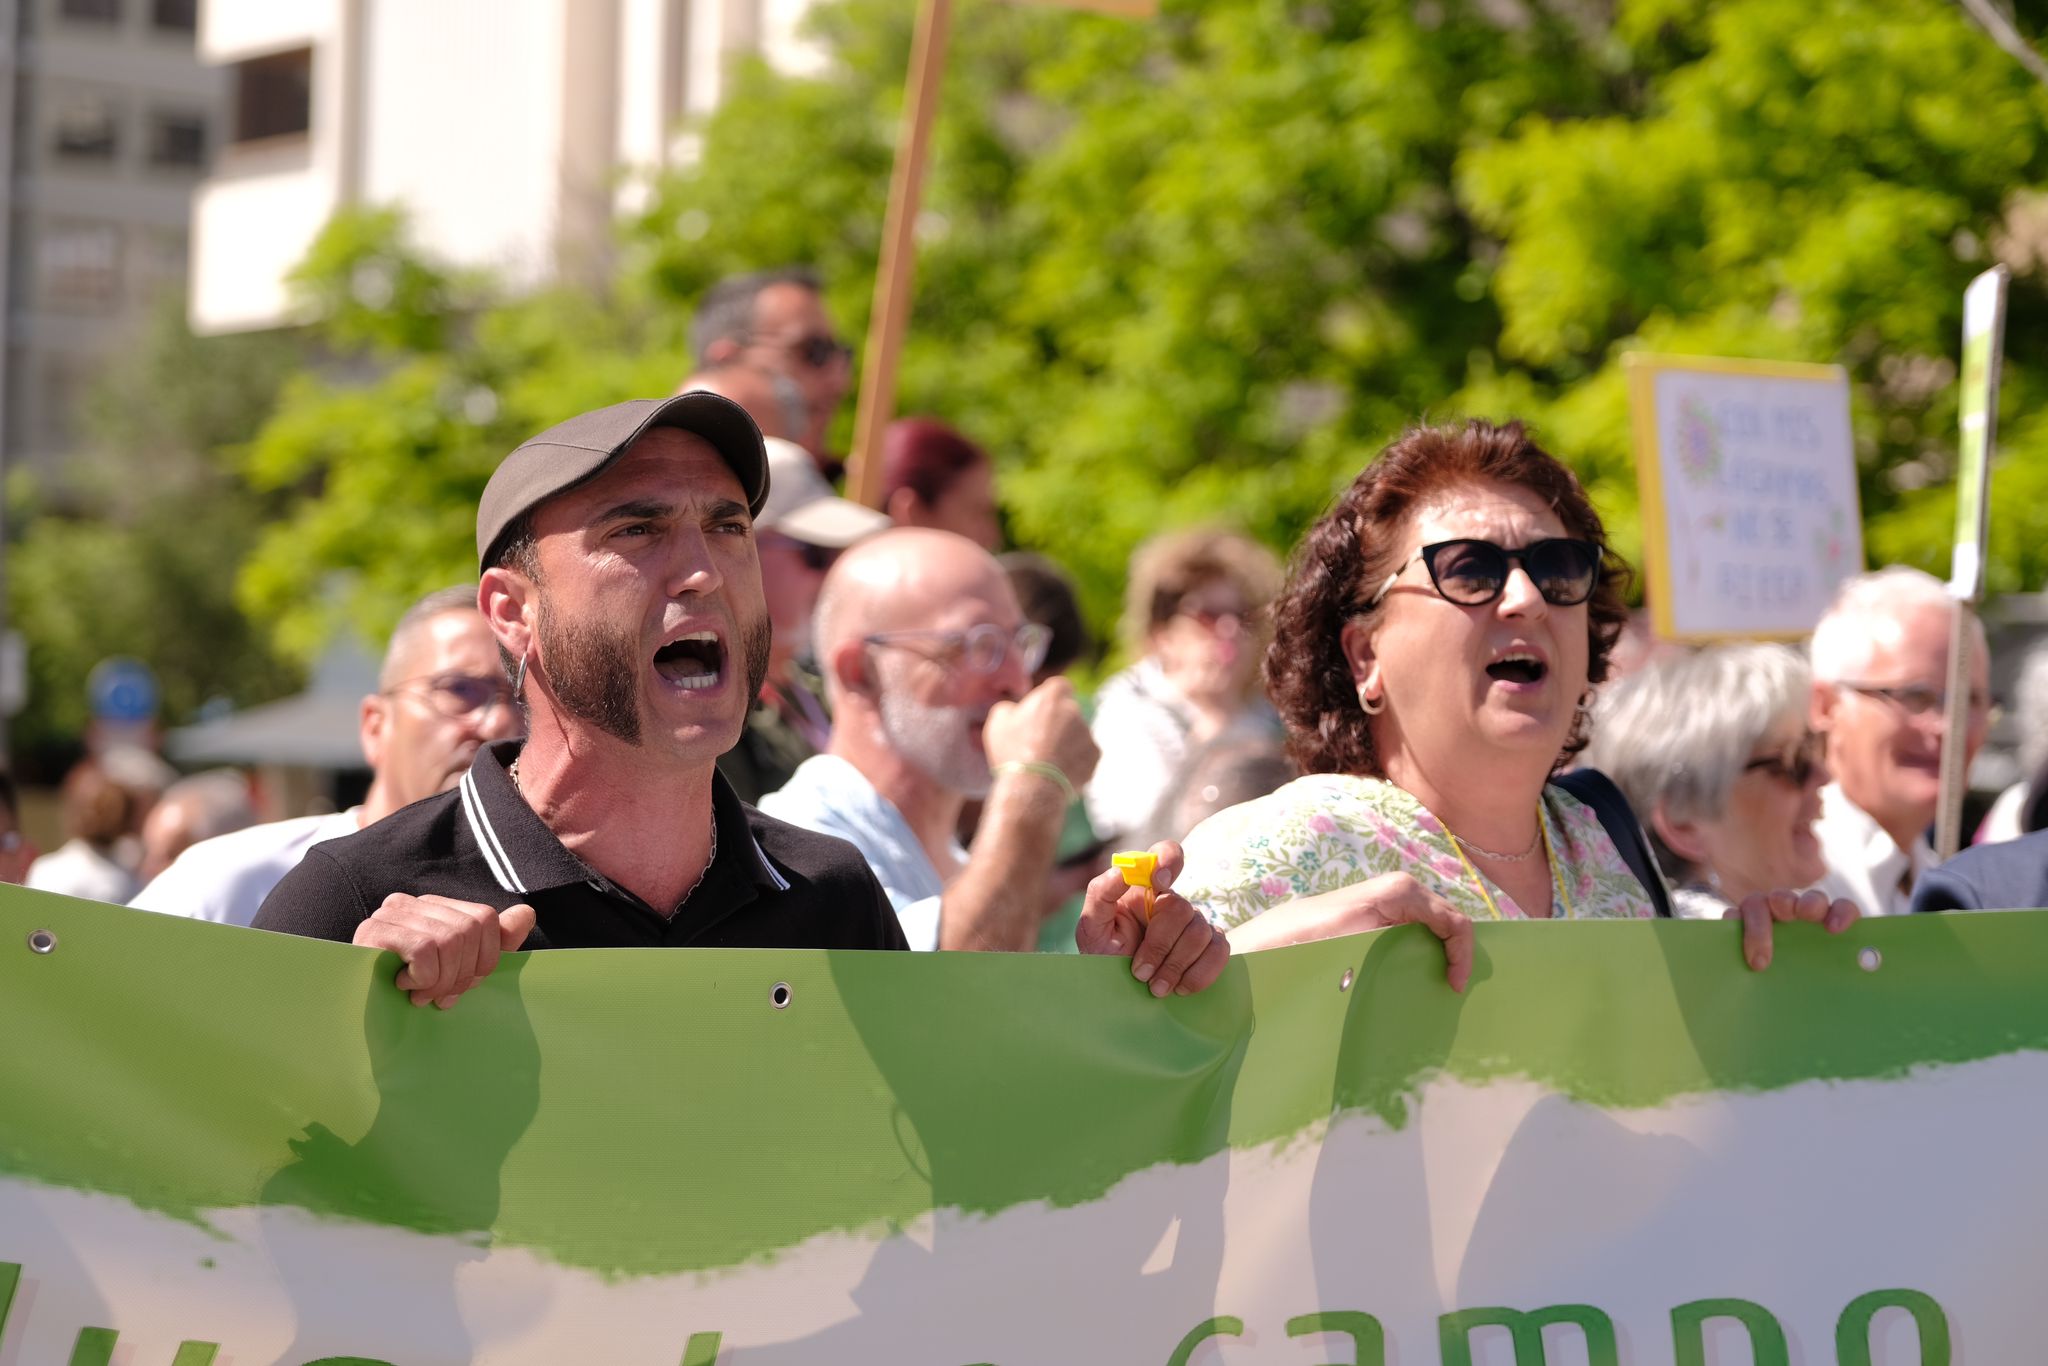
{"points": [[1549, 854]]}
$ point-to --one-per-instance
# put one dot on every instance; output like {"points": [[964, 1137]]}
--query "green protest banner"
{"points": [[1619, 1147]]}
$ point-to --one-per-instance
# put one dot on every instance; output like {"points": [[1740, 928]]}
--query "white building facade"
{"points": [[107, 121], [509, 130]]}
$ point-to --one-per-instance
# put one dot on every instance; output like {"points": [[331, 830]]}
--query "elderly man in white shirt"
{"points": [[443, 692], [1880, 675]]}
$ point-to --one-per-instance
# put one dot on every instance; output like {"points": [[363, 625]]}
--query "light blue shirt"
{"points": [[829, 795]]}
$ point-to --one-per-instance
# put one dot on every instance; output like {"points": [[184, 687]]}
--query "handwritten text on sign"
{"points": [[1749, 493]]}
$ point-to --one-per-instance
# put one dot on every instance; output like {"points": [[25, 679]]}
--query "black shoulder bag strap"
{"points": [[1598, 791]]}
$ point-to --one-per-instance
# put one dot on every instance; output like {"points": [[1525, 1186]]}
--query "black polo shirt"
{"points": [[772, 885]]}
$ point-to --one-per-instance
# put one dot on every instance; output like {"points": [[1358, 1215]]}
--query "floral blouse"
{"points": [[1329, 830]]}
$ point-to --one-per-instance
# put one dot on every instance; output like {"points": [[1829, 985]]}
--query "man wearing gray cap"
{"points": [[798, 534], [621, 581]]}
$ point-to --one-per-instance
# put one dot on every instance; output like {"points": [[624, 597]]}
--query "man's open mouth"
{"points": [[1517, 668], [693, 661]]}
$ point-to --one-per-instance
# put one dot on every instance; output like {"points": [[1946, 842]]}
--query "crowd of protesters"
{"points": [[699, 698]]}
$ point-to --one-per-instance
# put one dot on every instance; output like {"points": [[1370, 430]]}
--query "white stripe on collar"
{"points": [[781, 882], [487, 838]]}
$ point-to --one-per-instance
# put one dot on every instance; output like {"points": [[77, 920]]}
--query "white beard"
{"points": [[937, 741]]}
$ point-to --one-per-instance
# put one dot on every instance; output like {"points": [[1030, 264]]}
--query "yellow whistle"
{"points": [[1137, 869]]}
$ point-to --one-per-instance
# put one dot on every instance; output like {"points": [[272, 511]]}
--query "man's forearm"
{"points": [[998, 899]]}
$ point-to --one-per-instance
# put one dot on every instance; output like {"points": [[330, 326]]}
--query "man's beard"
{"points": [[937, 741], [595, 671]]}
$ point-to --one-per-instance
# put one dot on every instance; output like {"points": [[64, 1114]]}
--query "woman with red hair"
{"points": [[933, 476]]}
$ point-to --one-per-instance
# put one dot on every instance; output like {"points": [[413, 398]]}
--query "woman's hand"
{"points": [[1374, 904], [1174, 948], [1759, 910]]}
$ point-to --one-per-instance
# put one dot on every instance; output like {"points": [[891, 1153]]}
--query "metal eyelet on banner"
{"points": [[42, 941], [779, 997], [1869, 959], [1344, 982]]}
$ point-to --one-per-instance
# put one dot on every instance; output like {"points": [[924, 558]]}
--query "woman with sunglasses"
{"points": [[1433, 657], [1715, 754]]}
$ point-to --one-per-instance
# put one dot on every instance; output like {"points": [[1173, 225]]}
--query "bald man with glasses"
{"points": [[928, 663]]}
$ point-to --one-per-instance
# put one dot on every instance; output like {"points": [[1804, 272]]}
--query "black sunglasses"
{"points": [[820, 351], [1796, 767], [1474, 573], [816, 558]]}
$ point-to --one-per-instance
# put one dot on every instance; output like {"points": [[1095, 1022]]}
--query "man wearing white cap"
{"points": [[798, 534]]}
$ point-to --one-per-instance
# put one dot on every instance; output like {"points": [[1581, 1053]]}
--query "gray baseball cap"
{"points": [[570, 452]]}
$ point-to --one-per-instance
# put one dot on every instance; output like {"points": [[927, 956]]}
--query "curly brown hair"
{"points": [[1354, 547]]}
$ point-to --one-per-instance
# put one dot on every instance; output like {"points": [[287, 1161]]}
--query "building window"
{"points": [[91, 11], [78, 267], [175, 16], [85, 127], [157, 263], [177, 140], [274, 95]]}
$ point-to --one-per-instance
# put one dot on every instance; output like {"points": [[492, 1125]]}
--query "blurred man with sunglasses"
{"points": [[1880, 678], [928, 663], [776, 320], [803, 528], [442, 694]]}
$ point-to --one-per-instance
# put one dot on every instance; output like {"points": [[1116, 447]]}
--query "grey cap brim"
{"points": [[571, 452]]}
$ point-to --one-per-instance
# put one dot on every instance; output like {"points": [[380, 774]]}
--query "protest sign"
{"points": [[1977, 421], [1619, 1147], [1751, 515]]}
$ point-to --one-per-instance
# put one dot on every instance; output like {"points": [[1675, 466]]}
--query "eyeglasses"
{"points": [[982, 649], [1474, 573], [1210, 617], [816, 351], [1795, 766], [460, 694], [1917, 699], [816, 558]]}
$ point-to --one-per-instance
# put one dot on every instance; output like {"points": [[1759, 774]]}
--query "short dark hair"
{"points": [[1353, 549], [1047, 596], [726, 312], [97, 809], [518, 548]]}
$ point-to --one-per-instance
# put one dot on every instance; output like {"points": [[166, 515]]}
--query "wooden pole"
{"points": [[895, 272]]}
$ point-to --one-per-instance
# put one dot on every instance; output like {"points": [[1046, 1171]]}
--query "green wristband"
{"points": [[1050, 772]]}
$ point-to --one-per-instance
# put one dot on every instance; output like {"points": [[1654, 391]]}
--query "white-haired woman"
{"points": [[1714, 752]]}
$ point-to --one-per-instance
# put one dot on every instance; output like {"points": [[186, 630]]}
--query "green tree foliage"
{"points": [[136, 552], [1812, 182], [1200, 267], [384, 448]]}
